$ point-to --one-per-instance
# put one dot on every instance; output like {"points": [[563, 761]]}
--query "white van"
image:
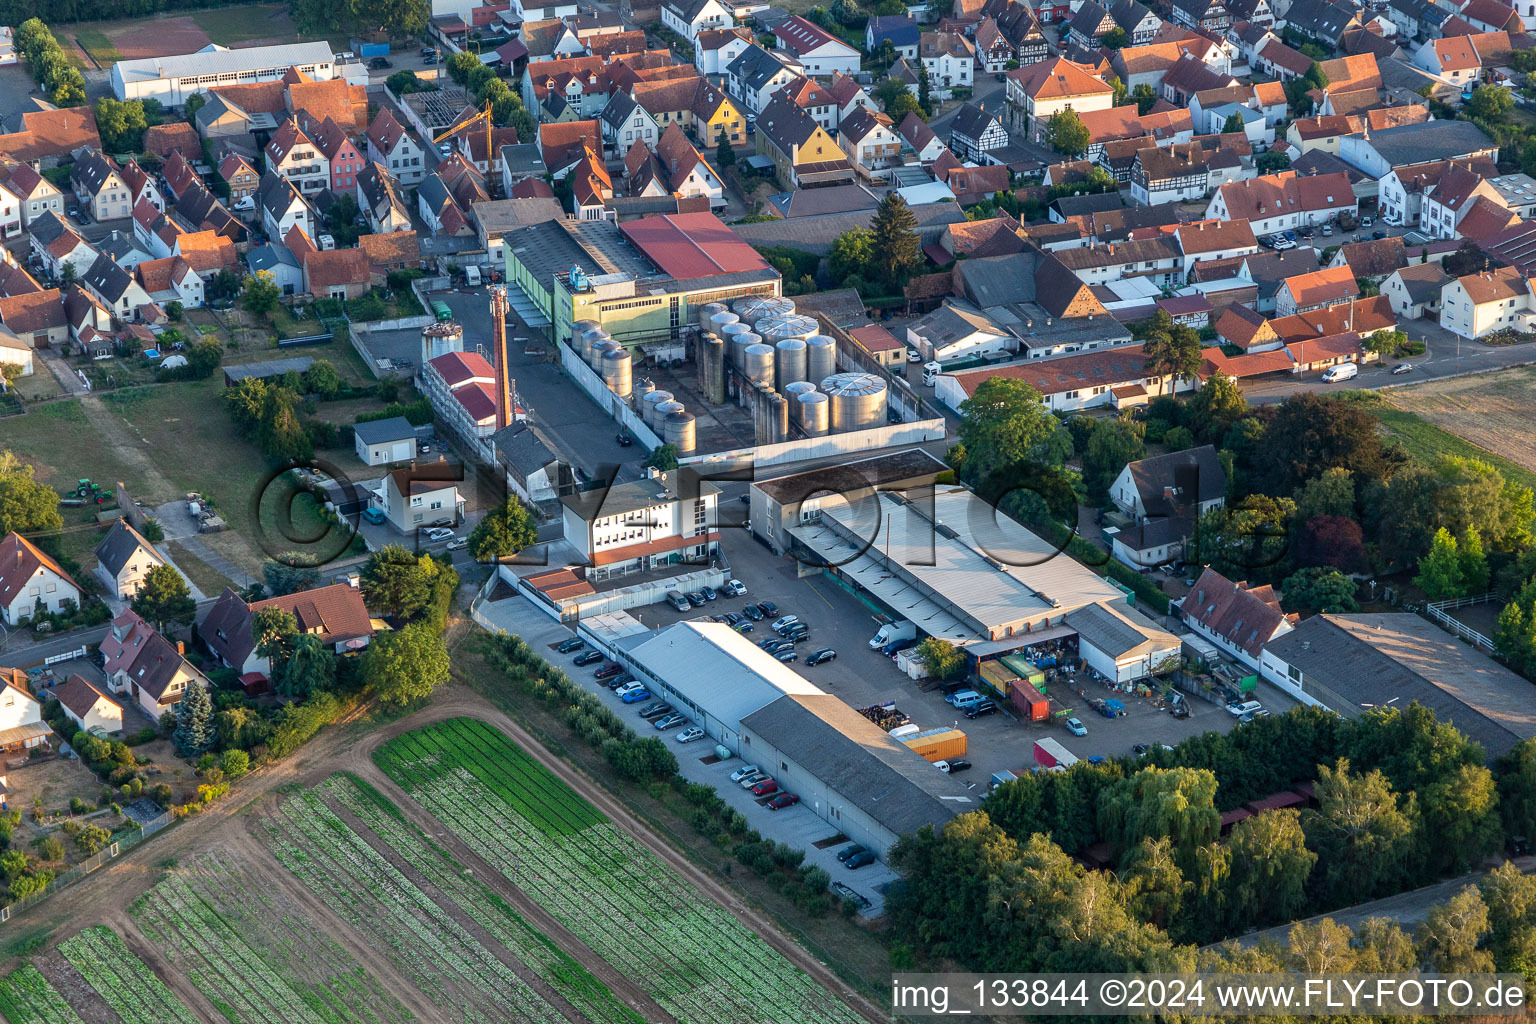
{"points": [[472, 276], [1344, 371], [1239, 710], [963, 699]]}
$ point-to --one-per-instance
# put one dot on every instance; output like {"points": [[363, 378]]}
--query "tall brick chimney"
{"points": [[499, 352]]}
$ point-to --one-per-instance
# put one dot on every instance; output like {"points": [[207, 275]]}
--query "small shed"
{"points": [[254, 684]]}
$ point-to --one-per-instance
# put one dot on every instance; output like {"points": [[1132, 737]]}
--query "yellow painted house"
{"points": [[694, 105], [802, 152]]}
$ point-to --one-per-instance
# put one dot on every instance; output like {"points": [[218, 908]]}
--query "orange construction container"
{"points": [[938, 744], [1031, 705]]}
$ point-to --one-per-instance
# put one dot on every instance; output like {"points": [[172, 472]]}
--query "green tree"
{"points": [[1440, 575], [403, 83], [274, 630], [1320, 588], [505, 530], [341, 220], [310, 667], [1066, 133], [322, 380], [26, 506], [725, 155], [397, 582], [283, 437], [402, 19], [1271, 162], [1309, 434], [1212, 410], [121, 125], [1330, 494], [1451, 934], [290, 575], [1362, 838], [897, 251], [853, 253], [1145, 99], [1384, 342], [234, 763], [1114, 39], [1175, 352], [1156, 889], [942, 659], [1489, 103], [924, 89], [1474, 561], [195, 731], [1269, 869], [192, 106], [1178, 804], [1233, 124], [1248, 539], [1001, 425], [663, 458], [1516, 771], [261, 294], [1112, 445], [164, 599], [407, 664]]}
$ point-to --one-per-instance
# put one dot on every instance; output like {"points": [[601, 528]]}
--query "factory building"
{"points": [[172, 80], [845, 769]]}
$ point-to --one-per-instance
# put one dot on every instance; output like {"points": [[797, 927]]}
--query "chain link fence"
{"points": [[91, 864]]}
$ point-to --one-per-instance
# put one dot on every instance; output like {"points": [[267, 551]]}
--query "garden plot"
{"points": [[27, 998], [698, 961], [123, 980]]}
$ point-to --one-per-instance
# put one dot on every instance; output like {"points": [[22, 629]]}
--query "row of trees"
{"points": [[63, 12], [507, 108], [269, 412], [399, 19], [51, 68], [122, 125], [1400, 799]]}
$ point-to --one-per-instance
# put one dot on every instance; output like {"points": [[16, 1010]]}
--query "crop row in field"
{"points": [[27, 998], [253, 959], [556, 968], [424, 942], [631, 908], [123, 980]]}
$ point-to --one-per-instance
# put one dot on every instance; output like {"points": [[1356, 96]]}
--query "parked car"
{"points": [[678, 601], [743, 626], [635, 696], [633, 686], [774, 644], [787, 620], [617, 681], [430, 58], [671, 721], [1238, 710], [458, 544], [849, 851], [782, 801], [735, 588], [858, 860], [710, 593], [796, 633], [575, 643], [753, 612], [697, 597], [587, 657], [765, 788], [959, 764], [986, 707], [1403, 368], [623, 439], [786, 655], [655, 709], [379, 64], [743, 772], [608, 671], [1076, 728], [440, 533], [689, 734], [747, 782], [817, 657], [769, 609]]}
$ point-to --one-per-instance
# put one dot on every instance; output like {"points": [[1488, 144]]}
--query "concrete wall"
{"points": [[603, 395]]}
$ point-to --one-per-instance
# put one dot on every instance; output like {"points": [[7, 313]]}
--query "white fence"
{"points": [[1437, 612], [54, 659]]}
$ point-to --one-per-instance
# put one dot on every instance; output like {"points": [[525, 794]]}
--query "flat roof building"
{"points": [[171, 80]]}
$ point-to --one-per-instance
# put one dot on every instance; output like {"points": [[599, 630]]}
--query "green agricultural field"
{"points": [[98, 46], [1487, 416]]}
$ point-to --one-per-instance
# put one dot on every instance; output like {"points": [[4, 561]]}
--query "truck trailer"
{"points": [[1050, 753]]}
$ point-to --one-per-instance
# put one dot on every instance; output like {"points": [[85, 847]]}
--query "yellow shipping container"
{"points": [[938, 744]]}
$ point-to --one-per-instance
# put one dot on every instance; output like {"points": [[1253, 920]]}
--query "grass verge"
{"points": [[95, 43], [1424, 442], [204, 576]]}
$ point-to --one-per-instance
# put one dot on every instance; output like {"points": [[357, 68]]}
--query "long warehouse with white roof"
{"points": [[172, 80]]}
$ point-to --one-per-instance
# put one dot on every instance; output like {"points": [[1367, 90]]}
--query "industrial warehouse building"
{"points": [[640, 281], [941, 557], [1351, 663], [172, 80], [846, 769]]}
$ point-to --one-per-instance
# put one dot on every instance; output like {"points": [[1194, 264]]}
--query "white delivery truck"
{"points": [[931, 373], [891, 632], [472, 275], [1344, 371]]}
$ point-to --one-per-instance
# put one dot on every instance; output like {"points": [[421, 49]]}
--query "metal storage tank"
{"points": [[708, 310], [589, 339], [792, 325], [736, 344], [678, 431], [714, 358], [650, 403], [789, 361], [580, 327], [661, 410], [778, 410], [643, 387], [757, 365], [599, 350], [755, 307], [617, 370], [815, 410], [792, 393], [719, 321], [858, 400], [820, 357], [438, 339]]}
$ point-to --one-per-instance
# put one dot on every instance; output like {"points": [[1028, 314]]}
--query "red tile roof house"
{"points": [[1237, 618], [31, 580], [335, 613], [337, 274], [1321, 288], [146, 666]]}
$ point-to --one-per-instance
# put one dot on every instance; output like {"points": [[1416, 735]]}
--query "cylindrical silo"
{"points": [[788, 325], [580, 327], [757, 365], [858, 400], [792, 393], [779, 412], [820, 357], [788, 361], [755, 307], [589, 338], [708, 310], [643, 387], [815, 409], [678, 431], [718, 321], [713, 356], [701, 365], [661, 410], [730, 332], [596, 346], [649, 404], [617, 372]]}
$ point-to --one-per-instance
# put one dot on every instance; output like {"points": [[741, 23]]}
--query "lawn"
{"points": [[1473, 417], [230, 25], [95, 42], [204, 576], [60, 442]]}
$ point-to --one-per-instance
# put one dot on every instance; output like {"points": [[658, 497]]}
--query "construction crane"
{"points": [[483, 115]]}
